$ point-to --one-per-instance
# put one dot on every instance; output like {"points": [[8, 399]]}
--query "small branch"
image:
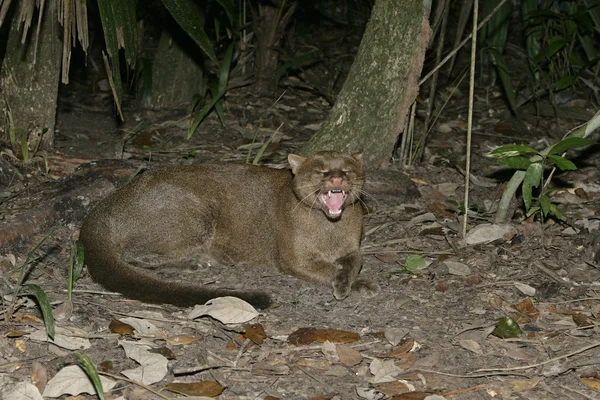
{"points": [[140, 384], [551, 360]]}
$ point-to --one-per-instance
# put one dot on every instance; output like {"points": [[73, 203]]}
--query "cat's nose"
{"points": [[336, 180]]}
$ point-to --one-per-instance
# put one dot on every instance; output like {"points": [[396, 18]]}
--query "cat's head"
{"points": [[329, 179]]}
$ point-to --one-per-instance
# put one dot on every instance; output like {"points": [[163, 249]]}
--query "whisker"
{"points": [[306, 197]]}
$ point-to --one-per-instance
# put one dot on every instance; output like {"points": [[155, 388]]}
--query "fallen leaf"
{"points": [[180, 340], [14, 333], [140, 325], [383, 371], [164, 351], [457, 268], [61, 340], [255, 333], [304, 336], [73, 380], [153, 367], [20, 344], [527, 312], [400, 351], [392, 388], [330, 352], [39, 376], [522, 385], [485, 233], [119, 327], [525, 289], [348, 356], [471, 345], [319, 364], [228, 310], [582, 319], [507, 328], [203, 388], [23, 391], [591, 380], [64, 311]]}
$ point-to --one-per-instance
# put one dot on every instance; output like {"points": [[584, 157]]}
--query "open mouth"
{"points": [[333, 201]]}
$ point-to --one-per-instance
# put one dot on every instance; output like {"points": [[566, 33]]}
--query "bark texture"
{"points": [[371, 108], [30, 91], [177, 74]]}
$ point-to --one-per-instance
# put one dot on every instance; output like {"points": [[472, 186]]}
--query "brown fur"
{"points": [[229, 214]]}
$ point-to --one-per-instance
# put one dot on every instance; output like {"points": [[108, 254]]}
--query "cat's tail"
{"points": [[108, 269]]}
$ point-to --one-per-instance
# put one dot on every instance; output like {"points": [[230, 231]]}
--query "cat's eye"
{"points": [[323, 171]]}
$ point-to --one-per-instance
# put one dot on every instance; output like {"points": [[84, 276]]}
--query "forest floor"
{"points": [[428, 332]]}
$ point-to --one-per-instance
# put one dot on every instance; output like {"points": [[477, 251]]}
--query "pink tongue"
{"points": [[335, 202]]}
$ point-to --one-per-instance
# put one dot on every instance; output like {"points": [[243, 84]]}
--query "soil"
{"points": [[429, 331]]}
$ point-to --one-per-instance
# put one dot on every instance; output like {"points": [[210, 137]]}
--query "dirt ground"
{"points": [[429, 332]]}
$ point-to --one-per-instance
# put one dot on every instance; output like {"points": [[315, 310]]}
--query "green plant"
{"points": [[92, 373], [530, 172], [412, 264], [562, 42], [75, 265], [35, 290], [217, 88]]}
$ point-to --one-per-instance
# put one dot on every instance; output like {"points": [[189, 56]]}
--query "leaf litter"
{"points": [[428, 333]]}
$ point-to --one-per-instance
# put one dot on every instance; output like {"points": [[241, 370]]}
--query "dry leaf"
{"points": [[62, 340], [304, 336], [255, 333], [330, 352], [591, 380], [348, 356], [140, 325], [22, 391], [153, 367], [164, 351], [180, 340], [39, 376], [471, 345], [526, 311], [73, 380], [203, 388], [485, 233], [581, 319], [395, 335], [522, 385], [119, 327], [392, 388], [64, 311], [525, 289], [228, 310], [457, 268], [20, 344], [400, 352], [383, 371], [318, 364]]}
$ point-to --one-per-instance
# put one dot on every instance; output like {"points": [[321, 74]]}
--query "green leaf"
{"points": [[556, 212], [564, 82], [532, 211], [80, 259], [204, 112], [515, 162], [415, 263], [22, 273], [229, 8], [533, 177], [569, 143], [562, 163], [191, 23], [511, 151], [545, 203], [44, 304], [507, 328], [92, 373]]}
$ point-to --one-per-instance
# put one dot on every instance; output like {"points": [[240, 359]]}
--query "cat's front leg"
{"points": [[346, 278]]}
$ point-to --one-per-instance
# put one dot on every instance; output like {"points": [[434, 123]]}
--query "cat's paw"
{"points": [[365, 287], [341, 287]]}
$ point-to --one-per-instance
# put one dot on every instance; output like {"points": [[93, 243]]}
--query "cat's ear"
{"points": [[358, 157], [295, 162]]}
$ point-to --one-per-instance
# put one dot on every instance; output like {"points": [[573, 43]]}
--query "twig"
{"points": [[200, 368], [310, 375], [140, 384], [551, 360], [486, 19], [470, 117], [470, 375], [240, 352], [579, 393]]}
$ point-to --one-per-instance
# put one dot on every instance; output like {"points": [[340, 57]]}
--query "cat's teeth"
{"points": [[329, 193]]}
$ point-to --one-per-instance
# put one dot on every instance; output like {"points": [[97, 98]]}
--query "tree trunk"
{"points": [[30, 90], [177, 73], [371, 108], [269, 26]]}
